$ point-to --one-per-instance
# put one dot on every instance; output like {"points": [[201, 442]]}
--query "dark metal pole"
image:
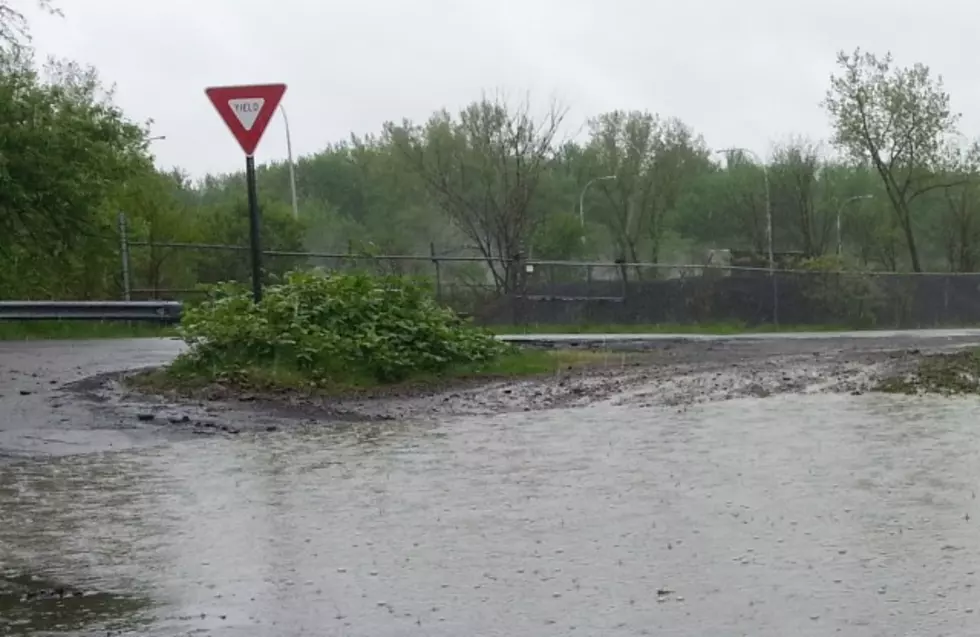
{"points": [[124, 254], [253, 218]]}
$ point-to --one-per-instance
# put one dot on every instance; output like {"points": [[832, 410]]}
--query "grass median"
{"points": [[286, 378], [67, 330], [341, 333], [718, 328], [72, 330], [952, 374]]}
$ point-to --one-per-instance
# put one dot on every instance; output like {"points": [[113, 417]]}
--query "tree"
{"points": [[14, 31], [483, 169], [960, 222], [745, 186], [653, 160], [66, 157], [157, 212], [794, 173], [896, 119], [227, 224]]}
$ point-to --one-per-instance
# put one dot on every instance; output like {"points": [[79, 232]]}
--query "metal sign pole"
{"points": [[253, 228]]}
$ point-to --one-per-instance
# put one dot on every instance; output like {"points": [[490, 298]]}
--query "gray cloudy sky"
{"points": [[742, 72]]}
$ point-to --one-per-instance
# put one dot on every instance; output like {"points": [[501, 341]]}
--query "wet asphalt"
{"points": [[794, 514]]}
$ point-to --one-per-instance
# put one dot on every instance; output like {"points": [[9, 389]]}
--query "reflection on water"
{"points": [[786, 516]]}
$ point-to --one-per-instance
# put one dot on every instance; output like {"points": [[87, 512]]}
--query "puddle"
{"points": [[794, 515]]}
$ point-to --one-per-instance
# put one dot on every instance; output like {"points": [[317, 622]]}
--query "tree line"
{"points": [[894, 188]]}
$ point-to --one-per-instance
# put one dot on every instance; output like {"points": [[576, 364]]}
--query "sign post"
{"points": [[246, 111]]}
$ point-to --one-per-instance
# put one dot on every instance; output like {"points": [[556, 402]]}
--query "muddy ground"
{"points": [[71, 397], [673, 372]]}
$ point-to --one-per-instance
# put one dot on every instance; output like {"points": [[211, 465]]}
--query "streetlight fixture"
{"points": [[581, 201], [772, 260], [292, 168], [156, 138], [840, 209]]}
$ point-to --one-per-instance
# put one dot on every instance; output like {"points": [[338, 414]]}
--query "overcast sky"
{"points": [[742, 72]]}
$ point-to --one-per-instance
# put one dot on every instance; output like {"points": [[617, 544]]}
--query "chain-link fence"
{"points": [[178, 271], [574, 293], [559, 294]]}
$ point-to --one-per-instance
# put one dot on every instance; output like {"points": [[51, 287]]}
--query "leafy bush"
{"points": [[331, 328], [847, 296]]}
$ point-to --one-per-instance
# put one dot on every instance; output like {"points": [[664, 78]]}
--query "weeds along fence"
{"points": [[177, 271], [574, 293]]}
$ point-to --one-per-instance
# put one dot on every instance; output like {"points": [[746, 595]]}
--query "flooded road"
{"points": [[790, 515], [36, 416]]}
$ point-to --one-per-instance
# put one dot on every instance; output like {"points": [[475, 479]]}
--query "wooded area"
{"points": [[498, 180]]}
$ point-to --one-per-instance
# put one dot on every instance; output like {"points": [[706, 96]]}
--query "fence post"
{"points": [[435, 261], [775, 298], [124, 255], [519, 295]]}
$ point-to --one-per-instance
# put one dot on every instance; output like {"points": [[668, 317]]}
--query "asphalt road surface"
{"points": [[802, 513]]}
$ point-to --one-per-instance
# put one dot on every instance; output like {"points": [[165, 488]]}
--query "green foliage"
{"points": [[48, 330], [333, 329], [653, 160], [559, 238], [846, 297], [67, 156], [228, 224], [898, 120]]}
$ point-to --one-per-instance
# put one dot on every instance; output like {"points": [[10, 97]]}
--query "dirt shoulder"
{"points": [[664, 372]]}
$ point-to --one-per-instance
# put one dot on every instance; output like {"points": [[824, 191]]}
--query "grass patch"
{"points": [[285, 378], [55, 330], [946, 374], [663, 328]]}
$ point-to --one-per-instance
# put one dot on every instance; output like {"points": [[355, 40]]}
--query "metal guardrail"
{"points": [[149, 311]]}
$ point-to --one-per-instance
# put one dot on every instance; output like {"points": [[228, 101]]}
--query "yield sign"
{"points": [[247, 110]]}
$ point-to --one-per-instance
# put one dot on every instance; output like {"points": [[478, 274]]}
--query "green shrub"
{"points": [[331, 328], [850, 297]]}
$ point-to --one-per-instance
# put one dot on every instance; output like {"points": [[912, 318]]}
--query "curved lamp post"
{"points": [[581, 201], [292, 168]]}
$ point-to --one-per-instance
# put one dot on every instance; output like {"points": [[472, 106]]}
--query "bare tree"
{"points": [[653, 160], [960, 227], [483, 169], [898, 121], [795, 169], [14, 30], [745, 199]]}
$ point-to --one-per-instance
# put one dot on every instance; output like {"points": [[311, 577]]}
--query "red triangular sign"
{"points": [[247, 110]]}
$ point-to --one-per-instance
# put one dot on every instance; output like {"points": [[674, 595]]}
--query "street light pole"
{"points": [[581, 201], [840, 209], [292, 168], [772, 259]]}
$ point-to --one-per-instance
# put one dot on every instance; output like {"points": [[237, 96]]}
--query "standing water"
{"points": [[786, 516]]}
